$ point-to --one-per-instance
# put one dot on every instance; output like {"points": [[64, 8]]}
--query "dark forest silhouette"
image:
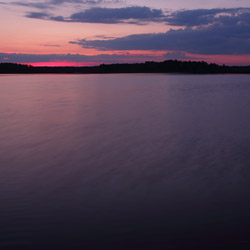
{"points": [[169, 66]]}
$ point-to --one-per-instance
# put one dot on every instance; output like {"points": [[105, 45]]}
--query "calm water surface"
{"points": [[120, 162]]}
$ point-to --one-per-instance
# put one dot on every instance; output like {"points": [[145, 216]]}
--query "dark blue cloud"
{"points": [[56, 2], [102, 58], [139, 14], [134, 14], [198, 17], [179, 56], [229, 34], [70, 1], [112, 15], [38, 5], [53, 3], [83, 1], [37, 15]]}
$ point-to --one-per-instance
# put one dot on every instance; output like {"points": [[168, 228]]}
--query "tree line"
{"points": [[169, 66]]}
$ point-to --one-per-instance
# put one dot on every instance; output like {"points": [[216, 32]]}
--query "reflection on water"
{"points": [[115, 162]]}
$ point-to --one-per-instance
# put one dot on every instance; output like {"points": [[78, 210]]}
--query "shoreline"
{"points": [[169, 66]]}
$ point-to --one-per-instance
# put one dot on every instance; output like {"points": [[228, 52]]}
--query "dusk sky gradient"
{"points": [[91, 32]]}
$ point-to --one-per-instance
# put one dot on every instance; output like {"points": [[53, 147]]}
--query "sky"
{"points": [[92, 32]]}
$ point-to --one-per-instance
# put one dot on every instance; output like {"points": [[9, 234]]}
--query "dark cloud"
{"points": [[38, 15], [102, 58], [201, 17], [83, 1], [229, 34], [140, 15], [134, 14], [68, 1], [179, 56], [53, 3], [38, 5], [75, 1], [111, 15], [56, 18]]}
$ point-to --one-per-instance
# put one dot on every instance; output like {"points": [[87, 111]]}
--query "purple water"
{"points": [[121, 162]]}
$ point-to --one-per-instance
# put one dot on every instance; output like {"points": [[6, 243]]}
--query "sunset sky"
{"points": [[90, 32]]}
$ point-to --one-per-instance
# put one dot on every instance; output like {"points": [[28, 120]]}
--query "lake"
{"points": [[125, 161]]}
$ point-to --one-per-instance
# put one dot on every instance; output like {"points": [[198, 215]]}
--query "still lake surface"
{"points": [[128, 161]]}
